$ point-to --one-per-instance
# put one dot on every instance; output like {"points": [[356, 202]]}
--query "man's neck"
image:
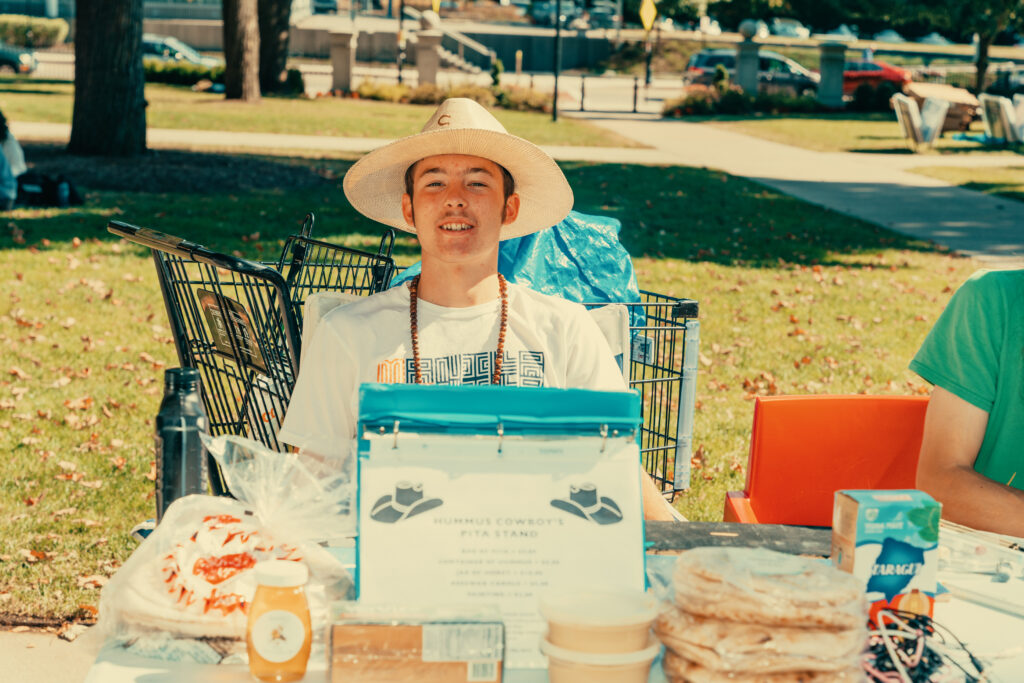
{"points": [[458, 287]]}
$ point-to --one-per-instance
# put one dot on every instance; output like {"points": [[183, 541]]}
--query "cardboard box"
{"points": [[889, 539], [425, 649]]}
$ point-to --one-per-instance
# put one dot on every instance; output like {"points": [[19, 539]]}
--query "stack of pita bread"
{"points": [[742, 615]]}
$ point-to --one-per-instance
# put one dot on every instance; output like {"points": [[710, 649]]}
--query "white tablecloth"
{"points": [[987, 633]]}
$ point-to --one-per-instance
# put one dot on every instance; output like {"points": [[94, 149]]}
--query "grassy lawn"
{"points": [[1006, 182], [176, 107], [876, 133], [85, 339]]}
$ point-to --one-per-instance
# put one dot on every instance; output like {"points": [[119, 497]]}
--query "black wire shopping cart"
{"points": [[240, 323]]}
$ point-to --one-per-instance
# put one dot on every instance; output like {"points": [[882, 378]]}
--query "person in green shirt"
{"points": [[972, 454]]}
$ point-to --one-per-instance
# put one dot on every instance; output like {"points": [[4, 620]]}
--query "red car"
{"points": [[872, 73]]}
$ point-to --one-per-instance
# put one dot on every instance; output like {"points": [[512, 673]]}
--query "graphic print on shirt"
{"points": [[518, 369]]}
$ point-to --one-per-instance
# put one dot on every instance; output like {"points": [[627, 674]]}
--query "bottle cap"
{"points": [[181, 377], [281, 573]]}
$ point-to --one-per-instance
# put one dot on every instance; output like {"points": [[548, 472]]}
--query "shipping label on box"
{"points": [[889, 539]]}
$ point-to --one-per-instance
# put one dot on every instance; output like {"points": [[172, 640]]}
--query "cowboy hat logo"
{"points": [[584, 502], [408, 500]]}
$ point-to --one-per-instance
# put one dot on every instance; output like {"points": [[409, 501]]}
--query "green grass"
{"points": [[1007, 181], [794, 299], [874, 133], [180, 108]]}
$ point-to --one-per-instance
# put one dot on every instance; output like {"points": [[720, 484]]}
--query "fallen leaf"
{"points": [[118, 462], [19, 373], [92, 484], [64, 511], [151, 475], [32, 500], [92, 581], [83, 403]]}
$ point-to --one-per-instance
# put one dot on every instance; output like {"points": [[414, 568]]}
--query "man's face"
{"points": [[458, 207]]}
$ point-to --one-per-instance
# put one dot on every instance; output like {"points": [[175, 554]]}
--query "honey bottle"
{"points": [[279, 635]]}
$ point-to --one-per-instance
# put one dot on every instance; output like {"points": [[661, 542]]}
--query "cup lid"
{"points": [[281, 573], [599, 607], [646, 655]]}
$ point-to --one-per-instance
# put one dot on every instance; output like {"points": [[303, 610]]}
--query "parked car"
{"points": [[16, 60], [325, 6], [170, 49], [789, 28], [604, 15], [934, 38], [775, 72], [543, 13], [872, 73], [843, 34], [889, 36]]}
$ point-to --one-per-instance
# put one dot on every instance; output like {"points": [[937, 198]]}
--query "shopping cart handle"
{"points": [[153, 238]]}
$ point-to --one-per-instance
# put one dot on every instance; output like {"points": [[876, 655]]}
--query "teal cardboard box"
{"points": [[890, 539]]}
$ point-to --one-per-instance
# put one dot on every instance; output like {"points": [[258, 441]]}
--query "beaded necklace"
{"points": [[414, 286]]}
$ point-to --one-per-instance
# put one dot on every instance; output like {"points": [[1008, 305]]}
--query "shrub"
{"points": [[699, 100], [388, 92], [883, 93], [180, 73], [478, 93], [721, 77], [780, 103], [293, 83], [497, 67], [428, 93], [517, 98], [864, 98], [734, 101], [23, 31]]}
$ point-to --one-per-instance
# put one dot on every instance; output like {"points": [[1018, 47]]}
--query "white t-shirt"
{"points": [[550, 342]]}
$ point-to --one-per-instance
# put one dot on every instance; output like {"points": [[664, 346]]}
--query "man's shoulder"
{"points": [[394, 299], [538, 301]]}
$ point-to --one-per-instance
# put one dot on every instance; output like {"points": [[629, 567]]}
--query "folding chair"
{"points": [[1000, 119], [922, 126], [805, 448]]}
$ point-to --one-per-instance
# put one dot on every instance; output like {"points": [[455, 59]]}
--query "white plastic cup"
{"points": [[604, 622], [568, 666]]}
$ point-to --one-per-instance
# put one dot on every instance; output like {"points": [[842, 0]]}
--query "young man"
{"points": [[461, 185]]}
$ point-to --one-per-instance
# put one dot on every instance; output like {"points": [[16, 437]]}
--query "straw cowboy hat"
{"points": [[376, 183], [584, 502], [407, 501]]}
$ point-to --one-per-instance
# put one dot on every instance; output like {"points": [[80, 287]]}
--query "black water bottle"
{"points": [[180, 456]]}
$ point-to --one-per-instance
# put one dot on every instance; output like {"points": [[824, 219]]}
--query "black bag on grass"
{"points": [[39, 189]]}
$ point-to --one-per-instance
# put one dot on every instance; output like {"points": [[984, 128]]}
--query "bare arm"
{"points": [[953, 432], [655, 506]]}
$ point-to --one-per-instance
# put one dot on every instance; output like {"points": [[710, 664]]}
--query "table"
{"points": [[985, 631]]}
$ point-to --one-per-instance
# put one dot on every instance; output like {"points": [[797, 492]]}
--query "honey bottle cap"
{"points": [[281, 573]]}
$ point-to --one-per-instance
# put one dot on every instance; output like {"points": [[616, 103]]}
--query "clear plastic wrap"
{"points": [[752, 614], [756, 585], [192, 577]]}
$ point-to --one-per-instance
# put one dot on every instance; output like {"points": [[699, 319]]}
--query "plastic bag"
{"points": [[580, 259], [753, 611], [192, 577]]}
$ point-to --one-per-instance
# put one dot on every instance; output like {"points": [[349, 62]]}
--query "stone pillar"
{"points": [[343, 59], [428, 55], [833, 60], [746, 66]]}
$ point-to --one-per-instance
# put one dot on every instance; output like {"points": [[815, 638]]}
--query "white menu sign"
{"points": [[450, 520]]}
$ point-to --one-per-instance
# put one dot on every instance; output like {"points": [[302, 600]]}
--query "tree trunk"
{"points": [[273, 19], [241, 50], [109, 116], [982, 64]]}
